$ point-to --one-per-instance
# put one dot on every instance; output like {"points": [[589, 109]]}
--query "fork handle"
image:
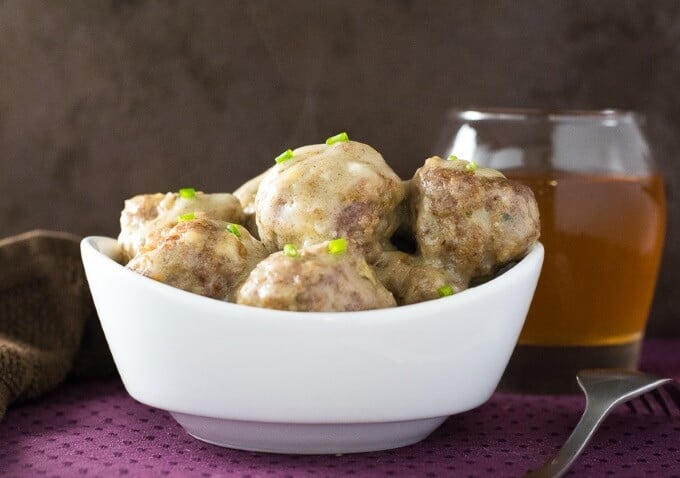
{"points": [[579, 438]]}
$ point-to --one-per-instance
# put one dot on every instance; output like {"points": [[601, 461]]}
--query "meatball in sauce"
{"points": [[315, 279], [470, 220], [201, 255], [327, 191], [332, 228], [145, 215]]}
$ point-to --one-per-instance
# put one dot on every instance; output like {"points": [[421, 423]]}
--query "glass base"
{"points": [[540, 369]]}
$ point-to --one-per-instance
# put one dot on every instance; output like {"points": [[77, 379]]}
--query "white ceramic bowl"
{"points": [[291, 382]]}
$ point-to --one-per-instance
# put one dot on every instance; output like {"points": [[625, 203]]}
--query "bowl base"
{"points": [[307, 438]]}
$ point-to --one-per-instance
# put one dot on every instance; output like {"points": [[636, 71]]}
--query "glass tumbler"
{"points": [[603, 215]]}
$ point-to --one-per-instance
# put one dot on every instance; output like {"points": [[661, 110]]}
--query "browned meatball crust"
{"points": [[470, 221], [315, 281], [202, 256], [412, 280]]}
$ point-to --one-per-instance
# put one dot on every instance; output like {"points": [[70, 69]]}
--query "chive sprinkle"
{"points": [[338, 138], [187, 193], [186, 217], [337, 246], [453, 157], [471, 167], [233, 228], [285, 156], [290, 250], [445, 290]]}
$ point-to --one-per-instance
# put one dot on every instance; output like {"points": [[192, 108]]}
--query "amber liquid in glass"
{"points": [[603, 236]]}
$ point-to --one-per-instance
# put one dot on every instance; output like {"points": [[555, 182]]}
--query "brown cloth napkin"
{"points": [[48, 324]]}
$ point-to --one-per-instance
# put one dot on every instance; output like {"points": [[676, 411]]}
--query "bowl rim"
{"points": [[533, 258]]}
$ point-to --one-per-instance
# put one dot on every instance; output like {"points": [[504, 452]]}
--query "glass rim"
{"points": [[608, 115]]}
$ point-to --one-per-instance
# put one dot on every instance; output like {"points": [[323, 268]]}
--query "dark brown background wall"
{"points": [[100, 100]]}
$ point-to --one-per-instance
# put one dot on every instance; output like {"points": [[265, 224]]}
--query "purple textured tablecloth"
{"points": [[96, 429]]}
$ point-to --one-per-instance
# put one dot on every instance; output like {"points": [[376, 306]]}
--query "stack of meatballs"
{"points": [[331, 227]]}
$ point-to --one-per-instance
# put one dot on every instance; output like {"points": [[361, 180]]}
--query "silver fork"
{"points": [[604, 390]]}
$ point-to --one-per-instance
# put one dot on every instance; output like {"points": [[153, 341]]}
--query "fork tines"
{"points": [[665, 399]]}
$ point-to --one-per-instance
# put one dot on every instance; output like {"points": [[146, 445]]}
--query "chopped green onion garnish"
{"points": [[338, 138], [187, 193], [506, 216], [186, 217], [337, 246], [290, 250], [445, 291], [285, 156], [233, 228], [471, 167], [453, 157]]}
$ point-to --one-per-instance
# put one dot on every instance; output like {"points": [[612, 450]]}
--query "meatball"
{"points": [[246, 195], [247, 191], [145, 215], [201, 255], [412, 280], [315, 280], [469, 220], [327, 191]]}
